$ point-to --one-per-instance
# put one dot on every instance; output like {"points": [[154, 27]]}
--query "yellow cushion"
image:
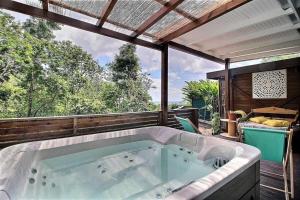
{"points": [[258, 120], [276, 123]]}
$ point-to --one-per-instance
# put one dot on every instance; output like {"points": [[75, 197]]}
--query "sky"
{"points": [[182, 66]]}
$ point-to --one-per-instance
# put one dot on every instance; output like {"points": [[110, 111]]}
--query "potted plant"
{"points": [[215, 123]]}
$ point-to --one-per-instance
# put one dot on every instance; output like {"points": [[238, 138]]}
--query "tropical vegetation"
{"points": [[40, 76], [204, 91]]}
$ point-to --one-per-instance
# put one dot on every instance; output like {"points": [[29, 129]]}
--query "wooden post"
{"points": [[227, 86], [231, 93], [220, 98], [195, 116], [164, 84], [74, 125]]}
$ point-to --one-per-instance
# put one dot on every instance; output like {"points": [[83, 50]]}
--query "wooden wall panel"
{"points": [[242, 92]]}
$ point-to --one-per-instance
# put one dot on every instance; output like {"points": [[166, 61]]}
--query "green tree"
{"points": [[82, 77], [41, 28], [131, 84], [15, 48], [45, 77], [40, 76], [125, 65]]}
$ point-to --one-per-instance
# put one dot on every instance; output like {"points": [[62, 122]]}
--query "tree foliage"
{"points": [[40, 76], [131, 84], [205, 90]]}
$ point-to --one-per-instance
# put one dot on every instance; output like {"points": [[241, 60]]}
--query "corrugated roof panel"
{"points": [[72, 14], [199, 8], [93, 7], [133, 13], [34, 3], [167, 24]]}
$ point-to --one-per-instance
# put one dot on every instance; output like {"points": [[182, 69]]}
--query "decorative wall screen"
{"points": [[269, 85]]}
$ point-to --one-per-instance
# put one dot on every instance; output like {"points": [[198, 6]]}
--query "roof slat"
{"points": [[223, 9], [105, 12], [206, 35], [266, 49], [267, 40], [171, 5], [69, 7], [179, 11], [37, 12], [244, 36], [274, 52]]}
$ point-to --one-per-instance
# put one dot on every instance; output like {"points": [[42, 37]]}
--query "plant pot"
{"points": [[231, 116]]}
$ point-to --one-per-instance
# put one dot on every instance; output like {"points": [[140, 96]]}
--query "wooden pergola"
{"points": [[188, 23], [160, 24]]}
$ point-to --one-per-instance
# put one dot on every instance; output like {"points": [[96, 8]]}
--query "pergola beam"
{"points": [[275, 52], [179, 11], [191, 51], [40, 13], [37, 12], [223, 9], [265, 49], [105, 12], [227, 86], [164, 84], [45, 5], [171, 5], [295, 8]]}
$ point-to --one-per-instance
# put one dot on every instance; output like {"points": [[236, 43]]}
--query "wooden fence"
{"points": [[13, 131]]}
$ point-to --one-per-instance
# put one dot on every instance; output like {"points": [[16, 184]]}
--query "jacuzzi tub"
{"points": [[145, 163]]}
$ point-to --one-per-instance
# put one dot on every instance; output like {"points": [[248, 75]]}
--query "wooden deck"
{"points": [[268, 194], [274, 181]]}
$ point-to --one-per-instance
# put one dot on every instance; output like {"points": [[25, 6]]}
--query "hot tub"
{"points": [[145, 163]]}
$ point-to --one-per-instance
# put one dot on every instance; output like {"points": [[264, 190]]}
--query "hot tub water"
{"points": [[137, 170]]}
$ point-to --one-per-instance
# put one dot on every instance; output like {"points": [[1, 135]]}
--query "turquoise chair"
{"points": [[187, 125], [276, 146]]}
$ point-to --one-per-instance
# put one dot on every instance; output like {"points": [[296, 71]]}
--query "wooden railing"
{"points": [[13, 131]]}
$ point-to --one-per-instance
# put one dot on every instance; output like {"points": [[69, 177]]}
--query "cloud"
{"points": [[149, 58], [102, 46], [174, 76], [95, 44], [18, 16], [155, 91], [180, 61], [175, 93]]}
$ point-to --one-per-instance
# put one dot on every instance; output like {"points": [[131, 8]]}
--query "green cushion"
{"points": [[186, 125], [270, 142]]}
